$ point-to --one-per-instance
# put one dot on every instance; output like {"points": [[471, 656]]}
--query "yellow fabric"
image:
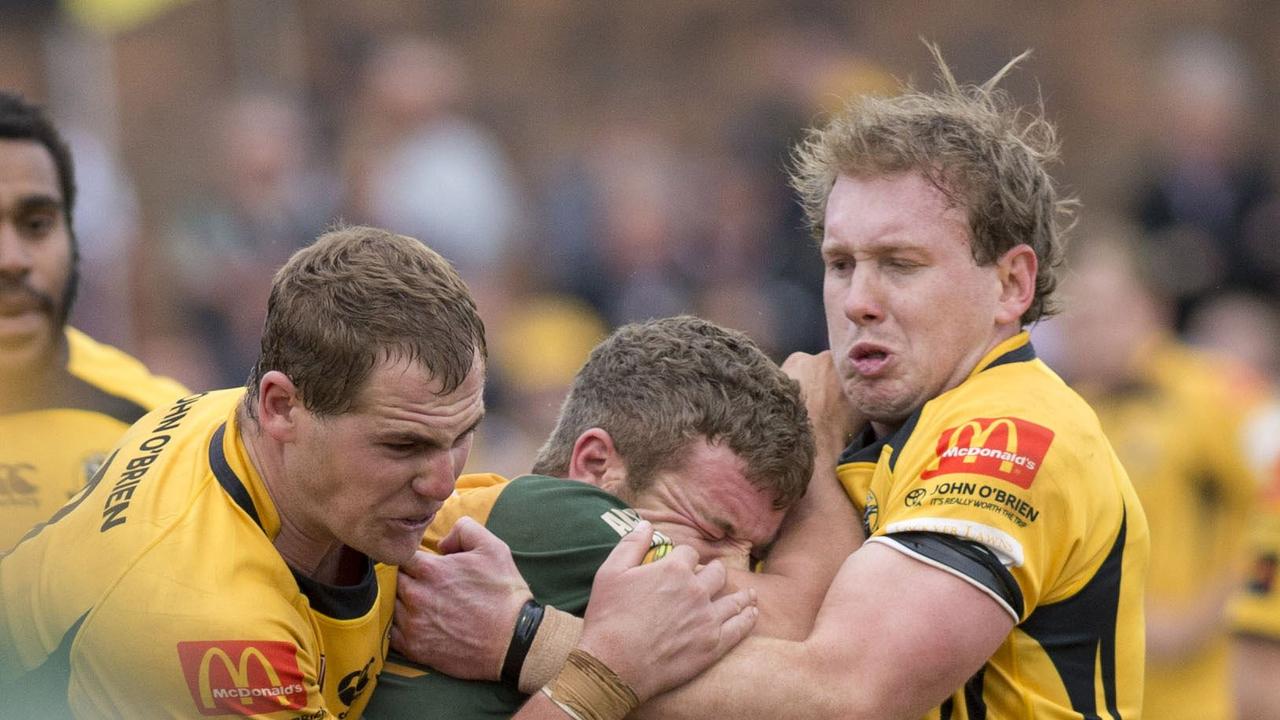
{"points": [[1015, 461], [48, 454], [1256, 608], [473, 497], [181, 598], [1180, 433]]}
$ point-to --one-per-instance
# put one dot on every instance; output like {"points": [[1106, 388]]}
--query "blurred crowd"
{"points": [[586, 165]]}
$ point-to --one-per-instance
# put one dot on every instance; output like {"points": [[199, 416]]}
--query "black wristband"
{"points": [[521, 640]]}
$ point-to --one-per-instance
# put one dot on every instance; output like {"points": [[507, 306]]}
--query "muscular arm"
{"points": [[893, 639], [822, 528], [1258, 662], [816, 537]]}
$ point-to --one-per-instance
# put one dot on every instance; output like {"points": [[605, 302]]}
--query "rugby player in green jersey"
{"points": [[676, 421]]}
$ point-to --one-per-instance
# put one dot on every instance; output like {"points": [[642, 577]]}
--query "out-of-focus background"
{"points": [[589, 163]]}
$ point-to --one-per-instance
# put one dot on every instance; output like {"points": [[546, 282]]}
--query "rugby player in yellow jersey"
{"points": [[1184, 422], [64, 399], [1002, 574], [235, 555], [1255, 616]]}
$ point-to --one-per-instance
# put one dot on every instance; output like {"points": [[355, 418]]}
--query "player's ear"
{"points": [[595, 459], [279, 406], [1017, 273]]}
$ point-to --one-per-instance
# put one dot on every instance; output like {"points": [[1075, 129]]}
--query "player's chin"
{"points": [[395, 552]]}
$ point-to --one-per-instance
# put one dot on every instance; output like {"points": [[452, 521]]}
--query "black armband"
{"points": [[521, 640]]}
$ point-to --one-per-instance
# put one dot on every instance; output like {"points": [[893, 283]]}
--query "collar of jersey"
{"points": [[866, 448], [237, 476]]}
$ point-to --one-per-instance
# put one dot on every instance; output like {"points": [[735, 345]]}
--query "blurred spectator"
{"points": [[1242, 325], [417, 165], [618, 225], [536, 349], [1208, 181], [267, 202], [1180, 420], [107, 228]]}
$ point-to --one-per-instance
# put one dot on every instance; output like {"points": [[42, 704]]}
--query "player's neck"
{"points": [[320, 559], [40, 384]]}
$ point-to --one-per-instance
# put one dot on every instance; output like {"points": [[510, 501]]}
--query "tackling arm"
{"points": [[893, 639]]}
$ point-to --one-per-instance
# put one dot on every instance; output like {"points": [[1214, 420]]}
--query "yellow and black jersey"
{"points": [[1255, 610], [1008, 483], [157, 592], [49, 452], [1182, 431]]}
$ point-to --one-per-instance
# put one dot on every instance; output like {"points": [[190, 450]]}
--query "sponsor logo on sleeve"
{"points": [[1005, 448], [243, 677]]}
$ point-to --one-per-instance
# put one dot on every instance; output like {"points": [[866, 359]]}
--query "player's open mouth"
{"points": [[869, 360], [415, 524]]}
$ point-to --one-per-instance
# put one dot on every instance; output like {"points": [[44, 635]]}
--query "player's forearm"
{"points": [[540, 707], [1257, 693], [818, 535], [764, 679]]}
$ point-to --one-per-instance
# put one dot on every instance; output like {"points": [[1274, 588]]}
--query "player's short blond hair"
{"points": [[658, 386], [984, 153], [359, 296]]}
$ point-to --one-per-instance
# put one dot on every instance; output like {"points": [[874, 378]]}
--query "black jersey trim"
{"points": [[1022, 353], [970, 560], [227, 477], [340, 602], [866, 448], [76, 393], [1079, 632], [974, 703]]}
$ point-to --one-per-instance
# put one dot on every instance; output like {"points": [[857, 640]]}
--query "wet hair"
{"points": [[657, 387], [355, 298], [987, 155]]}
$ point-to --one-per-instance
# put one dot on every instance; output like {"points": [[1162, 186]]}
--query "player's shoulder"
{"points": [[531, 504], [1017, 422], [116, 372]]}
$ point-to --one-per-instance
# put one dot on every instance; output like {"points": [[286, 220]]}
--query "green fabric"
{"points": [[559, 536]]}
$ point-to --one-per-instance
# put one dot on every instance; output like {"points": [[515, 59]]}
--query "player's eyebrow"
{"points": [[407, 435], [38, 202]]}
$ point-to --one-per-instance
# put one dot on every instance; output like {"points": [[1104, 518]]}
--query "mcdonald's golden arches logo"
{"points": [[1005, 448], [243, 677]]}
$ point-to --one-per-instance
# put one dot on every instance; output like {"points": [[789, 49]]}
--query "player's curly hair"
{"points": [[359, 296], [973, 143], [658, 386]]}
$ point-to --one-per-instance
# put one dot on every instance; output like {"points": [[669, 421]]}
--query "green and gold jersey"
{"points": [[559, 531], [48, 453], [1008, 483], [157, 592], [1182, 432]]}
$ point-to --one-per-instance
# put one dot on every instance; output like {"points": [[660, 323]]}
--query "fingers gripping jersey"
{"points": [[559, 531], [49, 452], [158, 593], [1008, 483]]}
